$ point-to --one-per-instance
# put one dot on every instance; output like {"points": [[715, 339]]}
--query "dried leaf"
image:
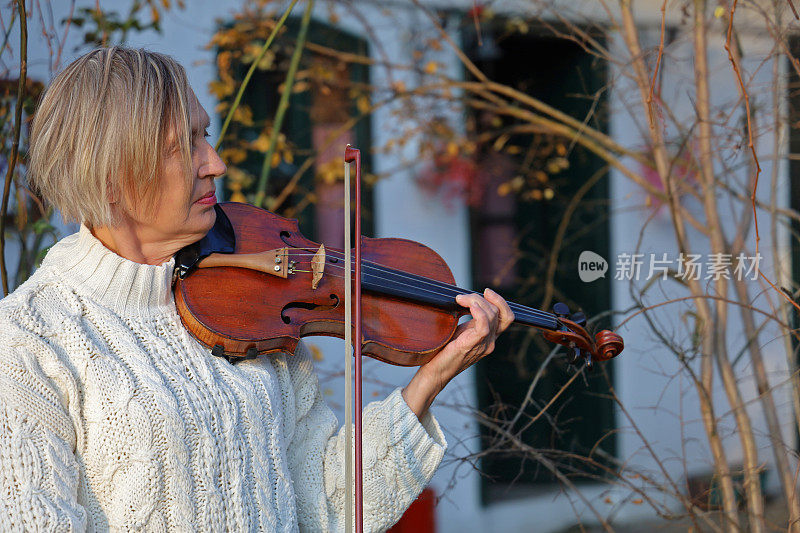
{"points": [[261, 144], [452, 149], [362, 104], [316, 353], [434, 44], [221, 89], [243, 115], [233, 155], [238, 197]]}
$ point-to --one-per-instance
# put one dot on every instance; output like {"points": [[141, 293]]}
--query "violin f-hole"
{"points": [[309, 306], [287, 235]]}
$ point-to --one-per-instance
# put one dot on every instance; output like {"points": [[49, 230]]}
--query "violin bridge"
{"points": [[317, 266]]}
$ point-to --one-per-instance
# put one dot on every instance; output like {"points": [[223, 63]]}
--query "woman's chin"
{"points": [[202, 220], [209, 217]]}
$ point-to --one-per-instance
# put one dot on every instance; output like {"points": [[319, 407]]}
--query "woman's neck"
{"points": [[138, 246]]}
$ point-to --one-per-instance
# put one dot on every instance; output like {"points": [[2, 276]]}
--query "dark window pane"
{"points": [[514, 236]]}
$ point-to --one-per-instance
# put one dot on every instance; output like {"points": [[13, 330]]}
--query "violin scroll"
{"points": [[571, 333], [609, 345]]}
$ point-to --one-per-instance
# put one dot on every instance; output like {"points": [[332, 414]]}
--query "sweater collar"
{"points": [[127, 287]]}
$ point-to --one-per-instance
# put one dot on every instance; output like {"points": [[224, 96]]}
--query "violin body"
{"points": [[243, 312]]}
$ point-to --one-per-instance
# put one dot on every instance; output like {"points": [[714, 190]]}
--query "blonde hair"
{"points": [[102, 129]]}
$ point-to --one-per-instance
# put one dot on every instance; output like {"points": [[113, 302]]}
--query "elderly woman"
{"points": [[113, 416]]}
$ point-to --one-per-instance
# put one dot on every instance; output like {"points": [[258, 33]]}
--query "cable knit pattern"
{"points": [[112, 417]]}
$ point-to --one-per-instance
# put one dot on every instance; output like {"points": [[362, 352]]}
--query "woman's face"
{"points": [[183, 212]]}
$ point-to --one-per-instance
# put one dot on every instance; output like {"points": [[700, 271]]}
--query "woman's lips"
{"points": [[209, 199]]}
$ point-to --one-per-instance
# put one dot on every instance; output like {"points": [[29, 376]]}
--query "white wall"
{"points": [[662, 401]]}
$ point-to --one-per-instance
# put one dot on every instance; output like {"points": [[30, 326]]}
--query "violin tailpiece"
{"points": [[274, 262]]}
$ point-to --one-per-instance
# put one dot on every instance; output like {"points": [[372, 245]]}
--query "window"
{"points": [[326, 92], [513, 235]]}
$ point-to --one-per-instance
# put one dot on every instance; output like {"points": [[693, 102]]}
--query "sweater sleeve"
{"points": [[400, 455], [39, 474]]}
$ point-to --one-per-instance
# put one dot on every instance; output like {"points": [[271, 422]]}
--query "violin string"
{"points": [[520, 311], [451, 291]]}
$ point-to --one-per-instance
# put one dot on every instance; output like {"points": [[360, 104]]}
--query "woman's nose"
{"points": [[213, 166]]}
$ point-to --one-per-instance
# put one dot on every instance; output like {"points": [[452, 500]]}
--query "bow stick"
{"points": [[353, 155]]}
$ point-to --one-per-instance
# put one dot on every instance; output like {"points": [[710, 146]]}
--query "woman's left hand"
{"points": [[472, 341]]}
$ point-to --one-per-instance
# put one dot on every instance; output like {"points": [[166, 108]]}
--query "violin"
{"points": [[255, 285]]}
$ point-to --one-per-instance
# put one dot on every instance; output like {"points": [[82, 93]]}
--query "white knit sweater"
{"points": [[112, 417]]}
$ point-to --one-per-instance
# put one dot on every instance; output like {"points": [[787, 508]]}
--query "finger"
{"points": [[494, 316], [492, 312], [484, 314], [491, 308], [467, 300], [506, 314], [481, 319], [470, 300]]}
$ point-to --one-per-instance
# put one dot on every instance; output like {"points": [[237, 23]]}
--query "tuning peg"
{"points": [[574, 356], [579, 358], [579, 318], [561, 310]]}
